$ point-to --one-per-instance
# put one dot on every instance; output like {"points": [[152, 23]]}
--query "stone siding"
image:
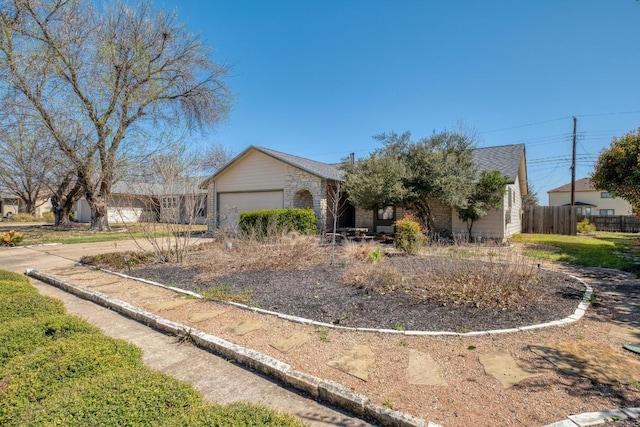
{"points": [[442, 215], [296, 180], [364, 219]]}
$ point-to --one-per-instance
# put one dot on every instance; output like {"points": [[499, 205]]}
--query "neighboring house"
{"points": [[589, 201], [11, 204], [260, 178], [180, 202]]}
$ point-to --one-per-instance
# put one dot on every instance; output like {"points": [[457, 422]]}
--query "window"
{"points": [[388, 213], [607, 212], [583, 211], [605, 195], [169, 202]]}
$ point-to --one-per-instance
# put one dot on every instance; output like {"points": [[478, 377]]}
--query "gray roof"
{"points": [[323, 170], [140, 188], [503, 158], [583, 184]]}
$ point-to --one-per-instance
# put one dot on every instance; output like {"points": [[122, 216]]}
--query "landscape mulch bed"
{"points": [[318, 293]]}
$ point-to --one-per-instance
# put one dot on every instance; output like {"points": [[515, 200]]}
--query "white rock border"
{"points": [[577, 314]]}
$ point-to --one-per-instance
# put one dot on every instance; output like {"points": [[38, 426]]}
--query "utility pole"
{"points": [[573, 165]]}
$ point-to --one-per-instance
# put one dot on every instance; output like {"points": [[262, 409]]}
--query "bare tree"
{"points": [[26, 163], [168, 188], [112, 70]]}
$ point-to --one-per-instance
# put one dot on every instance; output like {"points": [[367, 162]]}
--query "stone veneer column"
{"points": [[296, 180]]}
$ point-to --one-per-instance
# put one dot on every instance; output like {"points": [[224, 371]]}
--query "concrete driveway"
{"points": [[217, 379]]}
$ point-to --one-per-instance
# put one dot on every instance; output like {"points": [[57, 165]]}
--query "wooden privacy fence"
{"points": [[618, 223], [549, 220]]}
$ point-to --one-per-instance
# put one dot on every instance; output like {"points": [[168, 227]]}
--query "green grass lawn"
{"points": [[610, 250], [42, 234], [58, 370]]}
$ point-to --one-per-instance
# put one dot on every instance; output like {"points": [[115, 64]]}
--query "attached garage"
{"points": [[231, 205], [259, 178]]}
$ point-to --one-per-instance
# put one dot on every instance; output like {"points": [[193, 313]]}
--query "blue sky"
{"points": [[319, 78]]}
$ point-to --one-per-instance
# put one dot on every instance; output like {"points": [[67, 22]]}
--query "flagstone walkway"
{"points": [[193, 315]]}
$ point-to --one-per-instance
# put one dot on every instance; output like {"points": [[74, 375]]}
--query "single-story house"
{"points": [[261, 178], [589, 201], [11, 204], [179, 202]]}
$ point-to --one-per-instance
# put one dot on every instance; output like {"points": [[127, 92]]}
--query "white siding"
{"points": [[255, 171], [499, 223], [514, 223], [621, 206]]}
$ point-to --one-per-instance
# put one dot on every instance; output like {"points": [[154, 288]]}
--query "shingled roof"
{"points": [[583, 184], [323, 170], [504, 158]]}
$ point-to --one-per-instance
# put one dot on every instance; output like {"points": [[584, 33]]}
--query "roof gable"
{"points": [[322, 170], [583, 184], [504, 158]]}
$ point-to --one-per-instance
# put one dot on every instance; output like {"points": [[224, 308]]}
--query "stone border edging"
{"points": [[577, 314], [593, 418], [329, 391]]}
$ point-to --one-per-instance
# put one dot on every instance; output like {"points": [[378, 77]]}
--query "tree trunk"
{"points": [[99, 217], [62, 220], [424, 213]]}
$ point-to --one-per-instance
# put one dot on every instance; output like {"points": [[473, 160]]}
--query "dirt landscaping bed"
{"points": [[319, 293], [296, 276]]}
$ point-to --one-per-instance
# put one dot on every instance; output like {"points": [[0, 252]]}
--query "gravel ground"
{"points": [[318, 293], [470, 397]]}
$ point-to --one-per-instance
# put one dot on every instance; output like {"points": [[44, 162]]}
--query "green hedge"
{"points": [[132, 397], [57, 370], [45, 371], [23, 304], [11, 283], [24, 335], [266, 222]]}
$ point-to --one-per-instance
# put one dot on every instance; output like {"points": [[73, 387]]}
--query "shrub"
{"points": [[381, 278], [28, 304], [21, 336], [359, 251], [408, 237], [585, 226], [46, 371], [24, 217], [375, 255], [11, 238], [116, 260], [120, 397], [237, 414], [48, 216], [11, 283], [265, 223]]}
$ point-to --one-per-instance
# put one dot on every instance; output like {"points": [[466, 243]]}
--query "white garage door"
{"points": [[231, 205]]}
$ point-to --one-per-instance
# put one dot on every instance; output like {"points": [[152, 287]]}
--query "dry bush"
{"points": [[353, 251], [380, 277], [484, 284], [482, 277], [287, 252]]}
